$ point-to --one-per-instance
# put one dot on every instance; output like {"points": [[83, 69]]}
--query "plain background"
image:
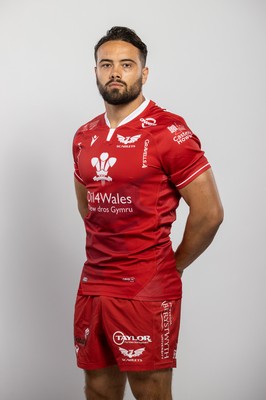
{"points": [[207, 63]]}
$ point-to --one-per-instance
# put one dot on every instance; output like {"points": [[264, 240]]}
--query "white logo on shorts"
{"points": [[166, 322], [87, 332], [132, 353], [119, 338]]}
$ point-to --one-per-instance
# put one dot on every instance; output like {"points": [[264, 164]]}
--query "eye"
{"points": [[127, 65], [105, 65]]}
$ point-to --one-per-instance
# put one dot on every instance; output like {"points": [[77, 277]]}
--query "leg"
{"points": [[105, 384], [151, 385]]}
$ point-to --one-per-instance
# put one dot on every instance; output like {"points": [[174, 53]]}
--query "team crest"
{"points": [[102, 165], [128, 139]]}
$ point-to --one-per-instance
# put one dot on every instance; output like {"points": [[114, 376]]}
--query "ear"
{"points": [[145, 73]]}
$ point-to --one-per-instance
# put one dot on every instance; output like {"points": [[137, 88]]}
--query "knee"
{"points": [[151, 385], [95, 386], [104, 384], [93, 389]]}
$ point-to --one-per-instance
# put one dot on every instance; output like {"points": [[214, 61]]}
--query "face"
{"points": [[119, 72]]}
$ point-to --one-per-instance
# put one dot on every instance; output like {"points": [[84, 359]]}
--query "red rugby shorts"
{"points": [[135, 335]]}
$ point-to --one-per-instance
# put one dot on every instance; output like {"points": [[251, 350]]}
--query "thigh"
{"points": [[105, 384], [142, 334], [152, 385], [92, 349]]}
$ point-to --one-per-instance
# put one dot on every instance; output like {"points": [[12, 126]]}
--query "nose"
{"points": [[115, 73]]}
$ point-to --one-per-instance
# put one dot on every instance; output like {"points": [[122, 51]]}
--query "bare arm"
{"points": [[205, 216], [81, 193]]}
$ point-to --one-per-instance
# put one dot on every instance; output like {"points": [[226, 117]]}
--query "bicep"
{"points": [[202, 195], [81, 193]]}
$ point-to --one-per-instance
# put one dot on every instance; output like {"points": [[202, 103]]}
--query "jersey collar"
{"points": [[131, 116]]}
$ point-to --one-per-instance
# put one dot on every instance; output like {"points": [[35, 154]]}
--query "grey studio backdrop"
{"points": [[207, 63]]}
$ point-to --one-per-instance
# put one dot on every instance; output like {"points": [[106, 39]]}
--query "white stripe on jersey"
{"points": [[192, 175]]}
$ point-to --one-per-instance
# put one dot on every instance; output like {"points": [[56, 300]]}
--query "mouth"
{"points": [[115, 84]]}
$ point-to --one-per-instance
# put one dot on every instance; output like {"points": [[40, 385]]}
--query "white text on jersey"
{"points": [[109, 198]]}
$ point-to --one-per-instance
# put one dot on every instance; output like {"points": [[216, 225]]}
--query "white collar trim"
{"points": [[131, 116]]}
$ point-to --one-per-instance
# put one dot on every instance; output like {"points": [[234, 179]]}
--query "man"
{"points": [[132, 166]]}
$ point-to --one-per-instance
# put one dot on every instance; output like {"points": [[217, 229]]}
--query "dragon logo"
{"points": [[128, 139], [132, 353]]}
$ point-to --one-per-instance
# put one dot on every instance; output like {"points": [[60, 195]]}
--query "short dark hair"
{"points": [[126, 35]]}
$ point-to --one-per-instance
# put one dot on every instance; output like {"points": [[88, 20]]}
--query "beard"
{"points": [[120, 96]]}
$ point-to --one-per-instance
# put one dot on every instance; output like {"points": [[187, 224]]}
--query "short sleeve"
{"points": [[77, 146], [181, 155]]}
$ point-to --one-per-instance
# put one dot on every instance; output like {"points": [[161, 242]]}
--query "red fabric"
{"points": [[132, 182], [135, 335]]}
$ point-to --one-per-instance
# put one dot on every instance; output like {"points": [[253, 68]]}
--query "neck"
{"points": [[116, 113]]}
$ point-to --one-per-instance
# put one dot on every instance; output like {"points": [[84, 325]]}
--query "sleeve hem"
{"points": [[193, 176], [79, 178]]}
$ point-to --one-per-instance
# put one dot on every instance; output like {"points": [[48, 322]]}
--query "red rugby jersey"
{"points": [[132, 175]]}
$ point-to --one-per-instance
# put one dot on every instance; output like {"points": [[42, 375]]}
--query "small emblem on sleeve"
{"points": [[176, 128], [181, 133], [182, 137]]}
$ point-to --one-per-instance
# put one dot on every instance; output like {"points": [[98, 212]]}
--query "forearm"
{"points": [[198, 235], [83, 210], [81, 193]]}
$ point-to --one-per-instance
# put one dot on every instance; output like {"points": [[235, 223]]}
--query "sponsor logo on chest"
{"points": [[180, 132], [147, 122], [127, 141]]}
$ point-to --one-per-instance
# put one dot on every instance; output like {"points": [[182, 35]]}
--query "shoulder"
{"points": [[91, 125], [171, 134], [165, 119]]}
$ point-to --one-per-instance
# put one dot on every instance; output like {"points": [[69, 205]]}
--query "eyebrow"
{"points": [[123, 60]]}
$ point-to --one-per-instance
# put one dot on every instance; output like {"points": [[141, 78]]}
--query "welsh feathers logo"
{"points": [[102, 165]]}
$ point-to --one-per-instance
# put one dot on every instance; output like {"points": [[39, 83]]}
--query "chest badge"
{"points": [[128, 139], [102, 165]]}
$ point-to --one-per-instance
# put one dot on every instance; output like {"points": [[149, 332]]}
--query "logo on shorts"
{"points": [[86, 333], [166, 322], [119, 338], [132, 353]]}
